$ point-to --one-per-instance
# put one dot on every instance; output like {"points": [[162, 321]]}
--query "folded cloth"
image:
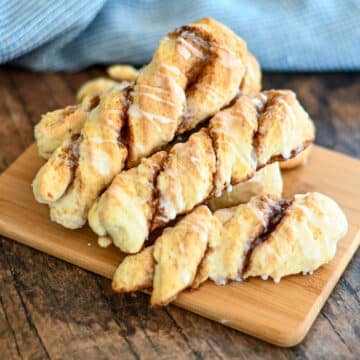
{"points": [[71, 34]]}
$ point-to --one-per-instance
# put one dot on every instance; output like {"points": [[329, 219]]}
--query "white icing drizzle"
{"points": [[157, 120], [155, 88], [229, 188], [157, 98], [161, 218], [194, 38], [184, 52], [101, 161], [167, 207], [228, 59], [174, 69], [195, 159], [191, 49], [186, 276], [175, 87]]}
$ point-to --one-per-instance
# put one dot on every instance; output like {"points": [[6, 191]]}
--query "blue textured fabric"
{"points": [[71, 34]]}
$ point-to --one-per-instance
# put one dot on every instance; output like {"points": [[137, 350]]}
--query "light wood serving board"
{"points": [[281, 313]]}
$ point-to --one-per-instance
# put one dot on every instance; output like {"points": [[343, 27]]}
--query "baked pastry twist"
{"points": [[84, 164], [267, 237], [247, 136], [59, 125], [196, 70]]}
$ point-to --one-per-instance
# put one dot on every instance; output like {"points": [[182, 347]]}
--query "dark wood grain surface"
{"points": [[51, 309]]}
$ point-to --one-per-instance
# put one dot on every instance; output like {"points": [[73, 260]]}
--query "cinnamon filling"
{"points": [[94, 102], [274, 220], [124, 131], [70, 155]]}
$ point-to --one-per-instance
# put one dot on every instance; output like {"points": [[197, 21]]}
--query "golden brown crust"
{"points": [[55, 176], [121, 212], [94, 87], [186, 178], [240, 226], [178, 253], [99, 157], [282, 123], [305, 239], [122, 72], [57, 126], [232, 131], [266, 237], [135, 272]]}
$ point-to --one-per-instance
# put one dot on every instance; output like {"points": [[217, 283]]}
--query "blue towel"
{"points": [[284, 35]]}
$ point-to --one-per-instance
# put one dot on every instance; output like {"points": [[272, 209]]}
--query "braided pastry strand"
{"points": [[247, 136], [197, 70], [267, 237]]}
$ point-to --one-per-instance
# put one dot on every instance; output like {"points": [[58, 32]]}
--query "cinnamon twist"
{"points": [[197, 70], [59, 125], [247, 136], [267, 237]]}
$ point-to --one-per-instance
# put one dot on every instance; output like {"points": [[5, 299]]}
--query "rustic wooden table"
{"points": [[51, 309]]}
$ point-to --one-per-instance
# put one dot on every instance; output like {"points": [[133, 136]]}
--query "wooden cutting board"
{"points": [[281, 313]]}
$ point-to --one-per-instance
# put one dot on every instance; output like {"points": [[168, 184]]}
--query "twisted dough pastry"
{"points": [[84, 164], [197, 70], [247, 136], [59, 125], [267, 237]]}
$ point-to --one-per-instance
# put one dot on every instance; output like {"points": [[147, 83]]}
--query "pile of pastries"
{"points": [[178, 165]]}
